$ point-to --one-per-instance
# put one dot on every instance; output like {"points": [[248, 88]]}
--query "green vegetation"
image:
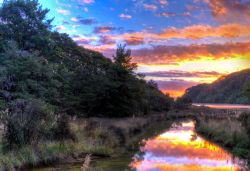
{"points": [[46, 79], [37, 63], [247, 91], [228, 89], [183, 103]]}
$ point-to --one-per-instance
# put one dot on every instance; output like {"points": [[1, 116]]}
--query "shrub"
{"points": [[183, 103], [27, 122]]}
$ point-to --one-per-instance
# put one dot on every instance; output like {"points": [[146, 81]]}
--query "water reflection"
{"points": [[180, 149], [223, 106]]}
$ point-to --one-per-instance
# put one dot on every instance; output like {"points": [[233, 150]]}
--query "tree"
{"points": [[24, 21], [37, 63], [183, 103], [123, 58], [247, 91], [26, 123], [26, 75]]}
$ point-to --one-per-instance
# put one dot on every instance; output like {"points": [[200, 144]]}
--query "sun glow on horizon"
{"points": [[193, 72]]}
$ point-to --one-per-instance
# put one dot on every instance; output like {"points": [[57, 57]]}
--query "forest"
{"points": [[46, 78], [227, 89], [60, 101]]}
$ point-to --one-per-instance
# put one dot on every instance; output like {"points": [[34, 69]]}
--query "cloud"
{"points": [[162, 54], [63, 12], [230, 10], [175, 87], [107, 40], [60, 28], [74, 19], [125, 16], [167, 14], [202, 31], [163, 2], [84, 21], [85, 9], [82, 41], [87, 21], [150, 7], [103, 29], [88, 1]]}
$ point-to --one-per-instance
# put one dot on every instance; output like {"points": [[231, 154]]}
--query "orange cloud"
{"points": [[174, 54], [203, 31], [230, 10], [223, 7], [103, 29]]}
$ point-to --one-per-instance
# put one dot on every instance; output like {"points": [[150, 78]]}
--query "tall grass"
{"points": [[227, 132]]}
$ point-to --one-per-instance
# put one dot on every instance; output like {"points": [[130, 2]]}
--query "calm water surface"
{"points": [[181, 149], [223, 106], [177, 149]]}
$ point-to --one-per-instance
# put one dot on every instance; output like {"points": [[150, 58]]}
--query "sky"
{"points": [[177, 43]]}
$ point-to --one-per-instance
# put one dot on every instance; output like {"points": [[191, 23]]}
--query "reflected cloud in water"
{"points": [[181, 149]]}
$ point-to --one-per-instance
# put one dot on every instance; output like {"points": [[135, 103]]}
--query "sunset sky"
{"points": [[178, 43]]}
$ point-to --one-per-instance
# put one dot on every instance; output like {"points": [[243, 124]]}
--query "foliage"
{"points": [[45, 77], [230, 134], [26, 123], [183, 103], [24, 21], [247, 91], [228, 89]]}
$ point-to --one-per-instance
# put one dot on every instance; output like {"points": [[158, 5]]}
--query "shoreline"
{"points": [[112, 137], [119, 132]]}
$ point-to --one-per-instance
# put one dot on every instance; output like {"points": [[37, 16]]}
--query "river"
{"points": [[179, 148], [223, 106]]}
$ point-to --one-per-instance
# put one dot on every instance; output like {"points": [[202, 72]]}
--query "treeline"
{"points": [[45, 77], [228, 89]]}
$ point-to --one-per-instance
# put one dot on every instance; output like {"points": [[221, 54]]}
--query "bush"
{"points": [[29, 122], [183, 103], [62, 129]]}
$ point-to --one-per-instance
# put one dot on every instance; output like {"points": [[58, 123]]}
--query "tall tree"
{"points": [[24, 21], [123, 58]]}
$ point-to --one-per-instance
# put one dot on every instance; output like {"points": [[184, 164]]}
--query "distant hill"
{"points": [[227, 89]]}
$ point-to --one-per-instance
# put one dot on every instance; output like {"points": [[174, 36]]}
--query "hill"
{"points": [[45, 77], [227, 89]]}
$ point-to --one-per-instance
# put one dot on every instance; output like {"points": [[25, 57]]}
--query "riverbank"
{"points": [[97, 136], [106, 137], [229, 131]]}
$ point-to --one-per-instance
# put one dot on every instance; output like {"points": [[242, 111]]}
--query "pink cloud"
{"points": [[88, 1], [150, 7]]}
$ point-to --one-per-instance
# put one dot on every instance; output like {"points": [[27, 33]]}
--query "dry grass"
{"points": [[228, 132]]}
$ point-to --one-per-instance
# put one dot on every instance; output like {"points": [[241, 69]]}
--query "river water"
{"points": [[179, 148], [223, 106]]}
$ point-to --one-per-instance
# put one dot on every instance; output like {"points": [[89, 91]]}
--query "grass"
{"points": [[229, 133], [97, 136], [48, 153]]}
